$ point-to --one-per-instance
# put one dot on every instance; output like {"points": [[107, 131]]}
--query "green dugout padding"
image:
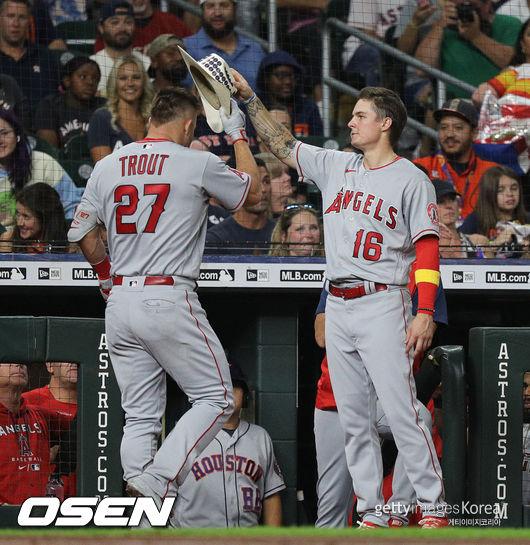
{"points": [[451, 360], [100, 418], [498, 358]]}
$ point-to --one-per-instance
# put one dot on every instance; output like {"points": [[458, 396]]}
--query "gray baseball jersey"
{"points": [[229, 481], [153, 197], [526, 464], [372, 217]]}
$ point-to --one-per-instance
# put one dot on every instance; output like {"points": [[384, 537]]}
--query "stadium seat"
{"points": [[78, 169], [76, 148], [79, 35]]}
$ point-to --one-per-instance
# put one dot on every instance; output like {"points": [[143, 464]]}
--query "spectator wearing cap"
{"points": [[280, 82], [62, 115], [453, 243], [116, 28], [150, 23], [217, 35], [456, 161], [168, 68], [32, 66]]}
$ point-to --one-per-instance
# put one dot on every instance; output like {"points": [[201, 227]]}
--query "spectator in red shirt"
{"points": [[24, 439], [150, 23], [58, 399]]}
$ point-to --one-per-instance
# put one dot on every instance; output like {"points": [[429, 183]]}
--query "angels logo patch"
{"points": [[432, 210], [242, 175]]}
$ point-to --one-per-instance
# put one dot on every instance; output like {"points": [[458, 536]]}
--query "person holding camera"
{"points": [[470, 42]]}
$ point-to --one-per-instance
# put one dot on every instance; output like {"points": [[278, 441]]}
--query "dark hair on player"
{"points": [[387, 103], [173, 102], [45, 204]]}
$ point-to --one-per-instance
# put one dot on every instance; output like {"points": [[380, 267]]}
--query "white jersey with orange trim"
{"points": [[152, 196], [372, 217]]}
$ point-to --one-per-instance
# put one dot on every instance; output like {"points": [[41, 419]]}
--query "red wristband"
{"points": [[102, 269], [242, 136]]}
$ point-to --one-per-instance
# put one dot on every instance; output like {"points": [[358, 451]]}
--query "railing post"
{"points": [[272, 26], [326, 73]]}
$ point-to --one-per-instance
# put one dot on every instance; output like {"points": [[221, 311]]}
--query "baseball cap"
{"points": [[443, 188], [115, 7], [237, 375], [460, 107], [163, 41], [215, 84]]}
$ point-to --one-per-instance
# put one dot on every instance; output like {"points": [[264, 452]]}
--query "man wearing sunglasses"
{"points": [[379, 216]]}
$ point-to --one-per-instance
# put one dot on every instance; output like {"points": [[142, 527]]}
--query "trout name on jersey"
{"points": [[131, 165], [365, 203], [232, 462]]}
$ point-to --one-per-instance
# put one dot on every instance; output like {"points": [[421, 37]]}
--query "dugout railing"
{"points": [[328, 81]]}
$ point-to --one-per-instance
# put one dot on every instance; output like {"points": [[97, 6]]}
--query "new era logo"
{"points": [[458, 277]]}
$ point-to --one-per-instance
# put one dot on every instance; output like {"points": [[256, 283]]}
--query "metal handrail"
{"points": [[328, 81]]}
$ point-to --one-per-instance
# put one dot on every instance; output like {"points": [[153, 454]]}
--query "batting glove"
{"points": [[234, 123], [105, 280]]}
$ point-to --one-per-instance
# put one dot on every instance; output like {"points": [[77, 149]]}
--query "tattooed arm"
{"points": [[274, 135]]}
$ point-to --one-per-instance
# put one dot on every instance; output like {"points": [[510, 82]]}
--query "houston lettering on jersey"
{"points": [[238, 464], [364, 203], [131, 165]]}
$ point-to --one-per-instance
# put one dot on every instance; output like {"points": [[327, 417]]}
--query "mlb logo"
{"points": [[132, 283]]}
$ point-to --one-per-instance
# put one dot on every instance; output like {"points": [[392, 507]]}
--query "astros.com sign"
{"points": [[78, 511]]}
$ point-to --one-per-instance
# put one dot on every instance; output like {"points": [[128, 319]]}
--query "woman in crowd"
{"points": [[40, 225], [281, 188], [500, 200], [20, 166], [62, 115], [124, 119], [298, 232]]}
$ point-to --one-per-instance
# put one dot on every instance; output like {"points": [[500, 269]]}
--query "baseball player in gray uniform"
{"points": [[152, 196], [379, 216], [236, 479]]}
